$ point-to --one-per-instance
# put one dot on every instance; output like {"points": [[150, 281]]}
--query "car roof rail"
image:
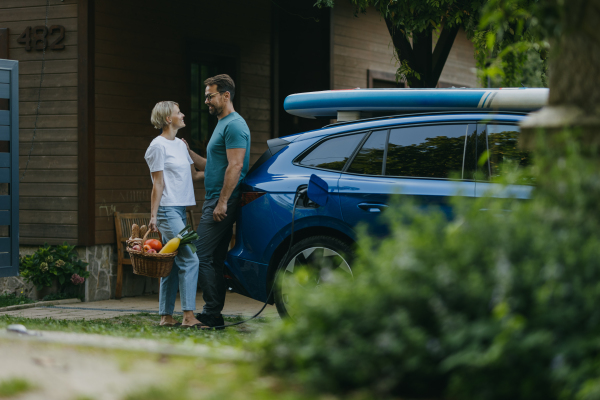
{"points": [[407, 115]]}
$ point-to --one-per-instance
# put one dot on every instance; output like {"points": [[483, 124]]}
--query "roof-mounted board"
{"points": [[358, 103]]}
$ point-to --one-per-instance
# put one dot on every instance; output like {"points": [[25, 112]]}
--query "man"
{"points": [[225, 165]]}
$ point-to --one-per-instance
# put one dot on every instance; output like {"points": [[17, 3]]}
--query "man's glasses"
{"points": [[210, 96]]}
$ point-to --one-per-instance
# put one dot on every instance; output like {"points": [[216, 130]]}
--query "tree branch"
{"points": [[401, 43], [442, 49]]}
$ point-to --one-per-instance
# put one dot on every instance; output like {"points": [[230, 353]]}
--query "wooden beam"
{"points": [[274, 71], [85, 123], [4, 43]]}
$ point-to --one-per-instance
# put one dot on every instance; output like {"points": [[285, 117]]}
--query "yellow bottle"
{"points": [[171, 246]]}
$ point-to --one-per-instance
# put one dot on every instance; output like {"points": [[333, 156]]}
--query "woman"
{"points": [[172, 172]]}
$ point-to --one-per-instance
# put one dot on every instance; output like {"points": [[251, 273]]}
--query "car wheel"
{"points": [[308, 266]]}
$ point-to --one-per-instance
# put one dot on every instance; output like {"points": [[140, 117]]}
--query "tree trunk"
{"points": [[574, 78], [419, 56]]}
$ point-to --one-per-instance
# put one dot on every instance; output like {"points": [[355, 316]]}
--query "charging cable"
{"points": [[299, 194]]}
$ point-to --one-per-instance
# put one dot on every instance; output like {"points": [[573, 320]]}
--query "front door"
{"points": [[9, 168]]}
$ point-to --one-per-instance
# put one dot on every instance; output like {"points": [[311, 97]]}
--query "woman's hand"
{"points": [[152, 224]]}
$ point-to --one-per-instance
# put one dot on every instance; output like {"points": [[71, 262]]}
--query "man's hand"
{"points": [[220, 211], [186, 143]]}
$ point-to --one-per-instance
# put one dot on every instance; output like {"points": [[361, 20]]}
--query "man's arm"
{"points": [[235, 158], [199, 162], [196, 175]]}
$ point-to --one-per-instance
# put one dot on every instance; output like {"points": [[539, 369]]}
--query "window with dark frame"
{"points": [[383, 80]]}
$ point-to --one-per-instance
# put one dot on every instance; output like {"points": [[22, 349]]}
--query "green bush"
{"points": [[502, 302], [11, 299], [54, 263]]}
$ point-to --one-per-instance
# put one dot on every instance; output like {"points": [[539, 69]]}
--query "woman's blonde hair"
{"points": [[160, 112]]}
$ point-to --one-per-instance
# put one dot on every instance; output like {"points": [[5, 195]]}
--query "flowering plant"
{"points": [[54, 263]]}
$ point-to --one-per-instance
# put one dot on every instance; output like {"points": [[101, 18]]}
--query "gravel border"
{"points": [[39, 304]]}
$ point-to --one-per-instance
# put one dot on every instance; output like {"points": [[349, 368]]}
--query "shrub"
{"points": [[501, 302], [50, 263]]}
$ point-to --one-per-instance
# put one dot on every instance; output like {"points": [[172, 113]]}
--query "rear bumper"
{"points": [[251, 275]]}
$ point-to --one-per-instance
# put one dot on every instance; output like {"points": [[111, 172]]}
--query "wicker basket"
{"points": [[154, 265]]}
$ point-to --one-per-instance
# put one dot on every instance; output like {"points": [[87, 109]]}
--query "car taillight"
{"points": [[248, 197]]}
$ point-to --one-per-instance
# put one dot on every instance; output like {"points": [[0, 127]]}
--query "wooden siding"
{"points": [[362, 43], [48, 189], [140, 51]]}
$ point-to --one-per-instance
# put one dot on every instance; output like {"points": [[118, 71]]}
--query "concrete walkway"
{"points": [[235, 305]]}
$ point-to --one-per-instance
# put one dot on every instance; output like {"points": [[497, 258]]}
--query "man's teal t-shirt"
{"points": [[231, 132]]}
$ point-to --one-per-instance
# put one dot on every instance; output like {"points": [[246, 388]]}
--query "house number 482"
{"points": [[39, 36]]}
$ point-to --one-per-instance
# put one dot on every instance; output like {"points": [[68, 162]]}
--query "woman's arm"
{"points": [[157, 191]]}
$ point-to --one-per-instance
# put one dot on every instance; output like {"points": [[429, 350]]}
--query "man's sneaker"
{"points": [[211, 320]]}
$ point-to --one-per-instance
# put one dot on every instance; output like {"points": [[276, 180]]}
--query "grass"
{"points": [[11, 299], [142, 326], [182, 377], [14, 386]]}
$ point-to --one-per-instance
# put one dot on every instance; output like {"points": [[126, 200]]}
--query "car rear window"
{"points": [[369, 159], [333, 153]]}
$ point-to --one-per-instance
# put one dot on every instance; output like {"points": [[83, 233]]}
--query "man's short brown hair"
{"points": [[224, 84]]}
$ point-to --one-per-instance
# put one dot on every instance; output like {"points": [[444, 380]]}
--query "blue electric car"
{"points": [[364, 162]]}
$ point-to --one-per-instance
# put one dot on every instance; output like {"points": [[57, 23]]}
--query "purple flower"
{"points": [[77, 280]]}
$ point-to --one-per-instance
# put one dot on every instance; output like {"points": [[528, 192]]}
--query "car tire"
{"points": [[320, 254]]}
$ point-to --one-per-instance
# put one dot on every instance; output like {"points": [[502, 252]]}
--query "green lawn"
{"points": [[184, 377], [144, 325]]}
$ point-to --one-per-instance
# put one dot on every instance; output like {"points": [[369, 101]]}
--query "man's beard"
{"points": [[215, 111]]}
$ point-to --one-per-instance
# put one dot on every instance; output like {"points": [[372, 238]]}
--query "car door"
{"points": [[415, 162], [499, 155]]}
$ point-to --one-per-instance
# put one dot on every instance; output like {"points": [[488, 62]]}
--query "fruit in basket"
{"points": [[186, 237], [137, 247], [151, 251], [147, 247], [154, 243]]}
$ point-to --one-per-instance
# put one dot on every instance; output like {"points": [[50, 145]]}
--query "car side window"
{"points": [[333, 153], [369, 159], [434, 151], [503, 150]]}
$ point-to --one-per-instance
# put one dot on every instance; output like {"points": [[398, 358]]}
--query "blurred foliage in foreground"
{"points": [[494, 304]]}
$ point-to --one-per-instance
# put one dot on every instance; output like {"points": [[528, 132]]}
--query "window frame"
{"points": [[389, 128], [297, 160]]}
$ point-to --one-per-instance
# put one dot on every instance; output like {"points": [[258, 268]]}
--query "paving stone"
{"points": [[235, 304]]}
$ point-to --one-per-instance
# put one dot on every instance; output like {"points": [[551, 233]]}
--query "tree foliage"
{"points": [[504, 32]]}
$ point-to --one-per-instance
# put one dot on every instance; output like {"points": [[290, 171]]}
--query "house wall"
{"points": [[48, 160], [140, 59], [363, 42]]}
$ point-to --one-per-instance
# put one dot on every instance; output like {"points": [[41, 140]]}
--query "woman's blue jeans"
{"points": [[184, 275]]}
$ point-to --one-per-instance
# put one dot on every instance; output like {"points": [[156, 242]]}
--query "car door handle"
{"points": [[372, 207]]}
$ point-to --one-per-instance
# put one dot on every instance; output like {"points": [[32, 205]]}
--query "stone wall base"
{"points": [[101, 283]]}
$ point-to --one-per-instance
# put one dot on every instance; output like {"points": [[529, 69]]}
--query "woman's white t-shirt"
{"points": [[172, 157]]}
